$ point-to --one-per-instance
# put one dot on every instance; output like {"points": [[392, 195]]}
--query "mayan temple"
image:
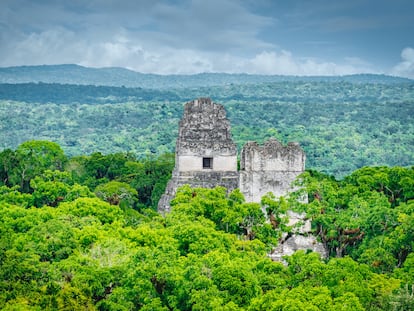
{"points": [[206, 156]]}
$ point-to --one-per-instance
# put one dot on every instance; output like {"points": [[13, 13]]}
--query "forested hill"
{"points": [[74, 74], [342, 125], [70, 93]]}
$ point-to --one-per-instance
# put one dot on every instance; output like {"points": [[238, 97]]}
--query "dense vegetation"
{"points": [[78, 227], [79, 233], [341, 125]]}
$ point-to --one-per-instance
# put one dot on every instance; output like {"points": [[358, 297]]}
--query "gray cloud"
{"points": [[210, 25], [175, 36], [126, 33], [406, 67]]}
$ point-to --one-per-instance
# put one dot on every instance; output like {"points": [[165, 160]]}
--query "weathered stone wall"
{"points": [[204, 132], [300, 238], [203, 129], [271, 167], [296, 242]]}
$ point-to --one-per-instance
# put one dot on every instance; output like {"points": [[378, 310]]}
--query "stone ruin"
{"points": [[269, 168], [206, 156]]}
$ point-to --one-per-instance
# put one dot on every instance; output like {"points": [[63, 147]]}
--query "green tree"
{"points": [[8, 163], [14, 196], [53, 187], [117, 193], [82, 207], [33, 158], [150, 177]]}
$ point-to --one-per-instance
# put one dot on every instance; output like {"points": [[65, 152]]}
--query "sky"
{"points": [[288, 37]]}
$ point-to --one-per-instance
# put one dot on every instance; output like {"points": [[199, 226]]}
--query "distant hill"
{"points": [[114, 76], [71, 93]]}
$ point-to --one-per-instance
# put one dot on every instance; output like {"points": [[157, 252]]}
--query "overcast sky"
{"points": [[299, 37]]}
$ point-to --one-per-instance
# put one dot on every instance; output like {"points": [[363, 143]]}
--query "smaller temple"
{"points": [[271, 167]]}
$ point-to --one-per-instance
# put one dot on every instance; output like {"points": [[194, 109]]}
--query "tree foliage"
{"points": [[70, 242], [366, 215], [41, 168]]}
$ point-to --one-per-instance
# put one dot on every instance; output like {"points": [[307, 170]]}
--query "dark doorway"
{"points": [[207, 162]]}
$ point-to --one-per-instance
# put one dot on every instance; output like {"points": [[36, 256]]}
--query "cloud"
{"points": [[165, 37], [187, 24], [211, 25], [284, 63], [125, 53], [53, 46], [406, 67], [60, 45]]}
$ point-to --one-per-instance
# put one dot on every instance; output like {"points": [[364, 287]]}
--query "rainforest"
{"points": [[82, 233], [83, 164]]}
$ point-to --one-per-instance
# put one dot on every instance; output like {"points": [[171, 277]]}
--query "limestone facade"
{"points": [[271, 167]]}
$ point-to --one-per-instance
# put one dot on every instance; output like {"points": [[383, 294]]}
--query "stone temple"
{"points": [[206, 156]]}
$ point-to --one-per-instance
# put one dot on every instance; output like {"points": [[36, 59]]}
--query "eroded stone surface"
{"points": [[298, 242], [271, 167]]}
